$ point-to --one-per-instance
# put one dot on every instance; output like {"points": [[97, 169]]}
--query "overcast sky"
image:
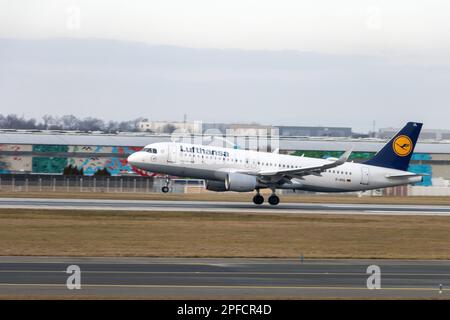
{"points": [[321, 62]]}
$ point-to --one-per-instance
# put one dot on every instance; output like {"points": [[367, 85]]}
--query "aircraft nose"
{"points": [[133, 159]]}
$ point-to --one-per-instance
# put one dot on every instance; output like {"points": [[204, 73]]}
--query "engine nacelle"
{"points": [[214, 185], [233, 182], [240, 182]]}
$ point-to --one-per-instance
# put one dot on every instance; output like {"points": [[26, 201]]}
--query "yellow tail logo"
{"points": [[402, 146]]}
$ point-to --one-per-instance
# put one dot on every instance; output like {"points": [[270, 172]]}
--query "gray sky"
{"points": [[321, 62]]}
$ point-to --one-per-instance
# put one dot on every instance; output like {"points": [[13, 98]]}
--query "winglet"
{"points": [[342, 159]]}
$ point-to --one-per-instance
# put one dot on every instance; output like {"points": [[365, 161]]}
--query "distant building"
{"points": [[239, 129], [222, 127], [298, 131], [169, 126], [250, 129], [283, 131], [425, 134]]}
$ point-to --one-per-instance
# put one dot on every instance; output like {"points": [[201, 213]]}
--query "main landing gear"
{"points": [[274, 199], [259, 199], [165, 188]]}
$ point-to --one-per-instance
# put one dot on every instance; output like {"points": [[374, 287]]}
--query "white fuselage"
{"points": [[214, 163]]}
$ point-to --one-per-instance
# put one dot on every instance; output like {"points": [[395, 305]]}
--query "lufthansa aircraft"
{"points": [[226, 169]]}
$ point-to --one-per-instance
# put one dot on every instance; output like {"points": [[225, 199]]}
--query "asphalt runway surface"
{"points": [[172, 278], [210, 206]]}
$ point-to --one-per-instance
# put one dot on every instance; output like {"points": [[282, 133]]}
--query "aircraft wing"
{"points": [[298, 172]]}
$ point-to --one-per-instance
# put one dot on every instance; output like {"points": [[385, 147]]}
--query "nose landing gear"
{"points": [[165, 188]]}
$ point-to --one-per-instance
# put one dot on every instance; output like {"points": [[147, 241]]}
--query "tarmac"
{"points": [[213, 206], [190, 278]]}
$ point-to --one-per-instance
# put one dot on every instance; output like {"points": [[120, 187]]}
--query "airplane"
{"points": [[228, 169]]}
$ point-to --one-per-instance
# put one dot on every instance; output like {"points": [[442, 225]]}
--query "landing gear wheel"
{"points": [[258, 199], [165, 188], [274, 200]]}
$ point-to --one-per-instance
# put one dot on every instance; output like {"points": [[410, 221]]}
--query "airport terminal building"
{"points": [[50, 152]]}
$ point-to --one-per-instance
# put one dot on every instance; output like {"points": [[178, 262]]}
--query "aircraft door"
{"points": [[172, 153], [365, 175]]}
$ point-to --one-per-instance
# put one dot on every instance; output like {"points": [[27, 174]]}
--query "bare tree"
{"points": [[168, 128], [12, 121], [70, 122], [47, 120], [91, 124]]}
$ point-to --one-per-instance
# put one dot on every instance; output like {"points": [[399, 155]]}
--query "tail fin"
{"points": [[397, 153]]}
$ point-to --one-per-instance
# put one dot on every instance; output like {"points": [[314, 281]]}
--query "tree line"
{"points": [[68, 122]]}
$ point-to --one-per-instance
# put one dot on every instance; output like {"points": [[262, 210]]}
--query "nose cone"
{"points": [[133, 159]]}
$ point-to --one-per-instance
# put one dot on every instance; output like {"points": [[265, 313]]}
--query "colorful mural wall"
{"points": [[90, 149], [49, 164], [54, 158], [10, 163], [15, 148], [15, 163], [50, 148], [115, 165]]}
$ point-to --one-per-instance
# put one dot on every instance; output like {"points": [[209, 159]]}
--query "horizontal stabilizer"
{"points": [[406, 175]]}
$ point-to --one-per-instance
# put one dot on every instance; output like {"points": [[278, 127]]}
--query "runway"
{"points": [[210, 206], [166, 278]]}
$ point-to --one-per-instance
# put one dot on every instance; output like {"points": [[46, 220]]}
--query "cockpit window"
{"points": [[150, 150]]}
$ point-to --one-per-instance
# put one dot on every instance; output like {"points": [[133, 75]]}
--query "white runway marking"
{"points": [[223, 207]]}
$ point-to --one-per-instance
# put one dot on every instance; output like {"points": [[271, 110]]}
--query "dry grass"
{"points": [[228, 196], [185, 234]]}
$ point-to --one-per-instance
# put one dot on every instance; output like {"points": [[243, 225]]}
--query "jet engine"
{"points": [[233, 182], [214, 185], [240, 182]]}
